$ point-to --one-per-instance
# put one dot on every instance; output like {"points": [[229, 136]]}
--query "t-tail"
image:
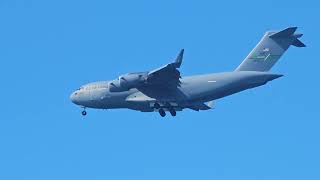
{"points": [[269, 50]]}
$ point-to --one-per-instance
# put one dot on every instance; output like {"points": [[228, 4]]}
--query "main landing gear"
{"points": [[173, 112], [162, 112]]}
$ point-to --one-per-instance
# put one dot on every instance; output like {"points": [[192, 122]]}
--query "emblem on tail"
{"points": [[270, 48]]}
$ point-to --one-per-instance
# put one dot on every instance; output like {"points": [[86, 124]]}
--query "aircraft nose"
{"points": [[73, 97]]}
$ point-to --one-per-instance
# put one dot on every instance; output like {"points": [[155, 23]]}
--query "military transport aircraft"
{"points": [[164, 90]]}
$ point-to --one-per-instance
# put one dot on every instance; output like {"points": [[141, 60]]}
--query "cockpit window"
{"points": [[80, 88], [93, 86]]}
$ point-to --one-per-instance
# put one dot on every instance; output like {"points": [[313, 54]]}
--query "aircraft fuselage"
{"points": [[199, 88]]}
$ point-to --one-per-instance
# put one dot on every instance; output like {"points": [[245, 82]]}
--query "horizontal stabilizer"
{"points": [[298, 43], [284, 33]]}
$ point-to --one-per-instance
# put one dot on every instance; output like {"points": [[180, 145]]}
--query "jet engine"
{"points": [[127, 81]]}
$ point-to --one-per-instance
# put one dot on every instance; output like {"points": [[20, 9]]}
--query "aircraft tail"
{"points": [[269, 50]]}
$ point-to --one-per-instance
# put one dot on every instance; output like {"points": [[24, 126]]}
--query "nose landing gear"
{"points": [[84, 112]]}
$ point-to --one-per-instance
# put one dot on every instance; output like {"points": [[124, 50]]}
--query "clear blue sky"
{"points": [[50, 48]]}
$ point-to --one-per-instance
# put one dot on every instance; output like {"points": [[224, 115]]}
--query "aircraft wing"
{"points": [[167, 75]]}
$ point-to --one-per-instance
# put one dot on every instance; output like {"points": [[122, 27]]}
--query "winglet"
{"points": [[179, 58]]}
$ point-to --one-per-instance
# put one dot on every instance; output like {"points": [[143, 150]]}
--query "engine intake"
{"points": [[127, 82]]}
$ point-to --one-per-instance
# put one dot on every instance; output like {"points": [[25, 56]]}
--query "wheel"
{"points": [[162, 113], [84, 113], [173, 112]]}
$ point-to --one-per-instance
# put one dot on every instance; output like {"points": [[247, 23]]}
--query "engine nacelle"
{"points": [[126, 82]]}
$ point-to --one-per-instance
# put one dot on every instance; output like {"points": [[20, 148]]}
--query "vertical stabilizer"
{"points": [[269, 50]]}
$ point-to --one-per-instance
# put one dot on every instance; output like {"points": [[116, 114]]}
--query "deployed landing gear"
{"points": [[166, 106], [173, 112], [84, 112], [157, 105], [162, 113]]}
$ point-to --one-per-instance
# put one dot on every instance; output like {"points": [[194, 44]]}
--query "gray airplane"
{"points": [[164, 90]]}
